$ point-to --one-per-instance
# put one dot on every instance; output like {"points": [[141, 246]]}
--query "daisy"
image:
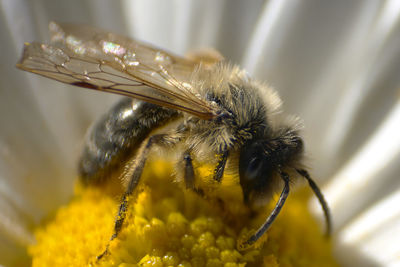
{"points": [[334, 64]]}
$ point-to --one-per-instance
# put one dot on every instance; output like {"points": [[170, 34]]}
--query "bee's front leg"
{"points": [[219, 170], [189, 172]]}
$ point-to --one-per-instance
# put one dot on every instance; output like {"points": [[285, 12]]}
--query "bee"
{"points": [[215, 113]]}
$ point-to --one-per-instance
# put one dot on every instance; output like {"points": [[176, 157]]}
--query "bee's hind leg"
{"points": [[134, 179]]}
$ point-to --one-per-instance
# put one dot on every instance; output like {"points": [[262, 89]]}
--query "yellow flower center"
{"points": [[169, 226]]}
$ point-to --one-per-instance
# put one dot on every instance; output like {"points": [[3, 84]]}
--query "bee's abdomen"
{"points": [[117, 135]]}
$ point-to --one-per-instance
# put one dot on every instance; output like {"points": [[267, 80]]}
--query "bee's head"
{"points": [[261, 160]]}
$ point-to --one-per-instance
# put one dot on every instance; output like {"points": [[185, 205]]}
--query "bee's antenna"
{"points": [[272, 216], [321, 200]]}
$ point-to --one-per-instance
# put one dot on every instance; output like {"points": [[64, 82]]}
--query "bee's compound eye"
{"points": [[252, 161], [253, 168]]}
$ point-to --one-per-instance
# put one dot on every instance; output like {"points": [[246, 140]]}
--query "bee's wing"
{"points": [[96, 59]]}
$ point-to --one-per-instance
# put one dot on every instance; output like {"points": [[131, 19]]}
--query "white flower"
{"points": [[335, 64]]}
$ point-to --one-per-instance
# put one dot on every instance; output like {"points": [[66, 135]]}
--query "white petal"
{"points": [[335, 64], [371, 234], [364, 176]]}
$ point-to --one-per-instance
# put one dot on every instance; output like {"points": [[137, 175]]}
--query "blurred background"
{"points": [[336, 64]]}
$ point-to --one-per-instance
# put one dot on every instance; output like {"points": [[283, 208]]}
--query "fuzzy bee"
{"points": [[202, 107]]}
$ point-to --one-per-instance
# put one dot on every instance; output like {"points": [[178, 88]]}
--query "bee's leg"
{"points": [[189, 174], [140, 161], [219, 170], [189, 182]]}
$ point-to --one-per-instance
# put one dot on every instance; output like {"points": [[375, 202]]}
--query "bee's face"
{"points": [[260, 160]]}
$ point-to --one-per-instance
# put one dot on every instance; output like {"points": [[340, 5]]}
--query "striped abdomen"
{"points": [[117, 135]]}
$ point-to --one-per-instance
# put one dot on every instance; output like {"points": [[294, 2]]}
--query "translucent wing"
{"points": [[96, 59]]}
